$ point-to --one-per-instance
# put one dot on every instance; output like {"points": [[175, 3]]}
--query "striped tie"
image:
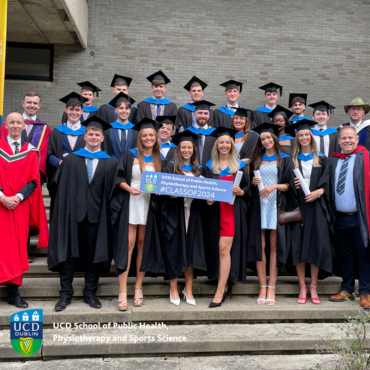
{"points": [[341, 185]]}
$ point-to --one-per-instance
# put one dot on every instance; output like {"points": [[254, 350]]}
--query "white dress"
{"points": [[139, 204]]}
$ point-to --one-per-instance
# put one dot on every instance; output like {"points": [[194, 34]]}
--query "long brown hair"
{"points": [[247, 127], [193, 161], [156, 153], [259, 150]]}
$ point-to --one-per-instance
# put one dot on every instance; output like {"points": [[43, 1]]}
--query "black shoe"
{"points": [[229, 289], [214, 305], [62, 303], [18, 302], [92, 301]]}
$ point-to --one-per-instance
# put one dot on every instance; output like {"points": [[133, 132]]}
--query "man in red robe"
{"points": [[21, 206]]}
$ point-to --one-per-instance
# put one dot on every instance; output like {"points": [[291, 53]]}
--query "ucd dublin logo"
{"points": [[26, 331], [150, 182]]}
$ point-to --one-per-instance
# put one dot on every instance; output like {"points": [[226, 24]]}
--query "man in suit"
{"points": [[165, 132], [350, 195], [21, 206]]}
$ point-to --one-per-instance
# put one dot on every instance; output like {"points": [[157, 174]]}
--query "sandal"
{"points": [[314, 300], [139, 301], [261, 300], [302, 300], [122, 305], [270, 300]]}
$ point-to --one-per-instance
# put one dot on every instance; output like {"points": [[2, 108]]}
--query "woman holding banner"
{"points": [[273, 176], [314, 244], [180, 223], [225, 225], [133, 217]]}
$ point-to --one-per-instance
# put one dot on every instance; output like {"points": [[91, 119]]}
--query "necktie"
{"points": [[158, 109], [341, 185], [28, 128], [123, 141], [322, 147], [200, 148], [72, 138], [16, 144], [89, 166]]}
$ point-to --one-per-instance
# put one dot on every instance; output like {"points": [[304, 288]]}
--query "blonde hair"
{"points": [[156, 153], [297, 149], [233, 156]]}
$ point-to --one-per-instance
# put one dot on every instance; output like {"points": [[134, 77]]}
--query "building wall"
{"points": [[315, 47]]}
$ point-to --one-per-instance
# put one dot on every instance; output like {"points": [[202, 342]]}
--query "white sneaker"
{"points": [[176, 302], [189, 301]]}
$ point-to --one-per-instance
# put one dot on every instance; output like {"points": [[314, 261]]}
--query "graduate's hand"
{"points": [[60, 162], [312, 196], [297, 183], [256, 181], [265, 192], [134, 191], [210, 202], [237, 191], [10, 202]]}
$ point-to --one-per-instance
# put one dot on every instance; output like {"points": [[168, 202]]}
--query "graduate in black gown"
{"points": [[121, 138], [245, 138], [80, 232], [157, 105], [88, 91], [280, 116], [225, 225], [65, 139], [181, 226], [185, 116], [297, 103], [133, 213], [166, 129], [261, 114], [107, 111], [276, 171], [314, 246]]}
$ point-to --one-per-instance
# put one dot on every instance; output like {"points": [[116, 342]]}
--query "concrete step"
{"points": [[239, 309], [45, 192], [48, 287], [175, 340], [257, 362]]}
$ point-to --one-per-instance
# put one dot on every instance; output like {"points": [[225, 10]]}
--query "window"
{"points": [[29, 61]]}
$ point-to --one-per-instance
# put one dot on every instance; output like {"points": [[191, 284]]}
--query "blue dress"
{"points": [[269, 174]]}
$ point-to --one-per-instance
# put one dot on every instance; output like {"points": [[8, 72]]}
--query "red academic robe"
{"points": [[17, 171]]}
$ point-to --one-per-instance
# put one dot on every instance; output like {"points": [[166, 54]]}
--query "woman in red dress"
{"points": [[226, 250]]}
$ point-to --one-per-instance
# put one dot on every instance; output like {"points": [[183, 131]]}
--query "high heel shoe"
{"points": [[302, 300], [269, 299], [189, 301], [314, 300], [229, 289], [262, 300], [122, 305], [214, 304], [176, 302]]}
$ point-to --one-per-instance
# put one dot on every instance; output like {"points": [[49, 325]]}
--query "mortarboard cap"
{"points": [[120, 98], [194, 80], [87, 85], [97, 122], [221, 131], [145, 123], [202, 105], [303, 124], [159, 75], [73, 97], [292, 96], [184, 136], [166, 119], [280, 110], [120, 79], [267, 127], [232, 84], [241, 112], [271, 86], [322, 106]]}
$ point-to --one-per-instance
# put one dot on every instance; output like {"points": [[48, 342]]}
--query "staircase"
{"points": [[238, 335]]}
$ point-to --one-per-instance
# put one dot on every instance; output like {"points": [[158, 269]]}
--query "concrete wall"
{"points": [[316, 47]]}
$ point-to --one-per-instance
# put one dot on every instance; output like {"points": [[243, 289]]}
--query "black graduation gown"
{"points": [[181, 249], [285, 176], [248, 145], [241, 251], [170, 155], [185, 119], [76, 198], [258, 118], [108, 114], [209, 142], [119, 205], [315, 242], [333, 143], [144, 111], [224, 120], [109, 142], [288, 149]]}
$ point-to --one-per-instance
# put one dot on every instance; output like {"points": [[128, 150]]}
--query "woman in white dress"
{"points": [[130, 207]]}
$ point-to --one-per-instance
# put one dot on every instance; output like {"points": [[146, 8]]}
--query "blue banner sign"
{"points": [[186, 186]]}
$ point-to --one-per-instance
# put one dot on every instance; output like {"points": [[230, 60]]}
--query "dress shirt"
{"points": [[205, 127], [306, 170], [120, 131], [95, 161], [266, 106], [29, 127], [357, 125], [85, 115], [326, 140], [164, 151], [73, 138], [233, 107], [346, 202], [153, 108]]}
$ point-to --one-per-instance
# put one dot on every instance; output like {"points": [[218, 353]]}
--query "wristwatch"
{"points": [[319, 191]]}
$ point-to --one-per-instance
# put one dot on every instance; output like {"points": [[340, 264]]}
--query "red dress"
{"points": [[227, 224]]}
